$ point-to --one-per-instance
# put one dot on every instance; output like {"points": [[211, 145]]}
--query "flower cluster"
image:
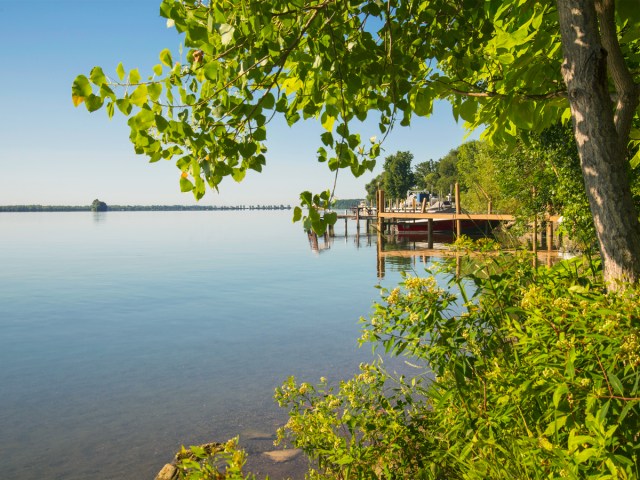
{"points": [[630, 349]]}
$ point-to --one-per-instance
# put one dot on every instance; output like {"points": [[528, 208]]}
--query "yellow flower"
{"points": [[393, 296]]}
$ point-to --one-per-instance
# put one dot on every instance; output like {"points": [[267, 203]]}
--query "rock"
{"points": [[168, 472], [256, 435], [281, 456]]}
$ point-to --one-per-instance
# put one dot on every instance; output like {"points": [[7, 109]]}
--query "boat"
{"points": [[446, 225]]}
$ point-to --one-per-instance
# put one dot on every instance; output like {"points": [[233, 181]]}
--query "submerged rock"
{"points": [[256, 435], [281, 456], [168, 472]]}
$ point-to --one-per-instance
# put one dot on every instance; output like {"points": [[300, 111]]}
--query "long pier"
{"points": [[385, 214]]}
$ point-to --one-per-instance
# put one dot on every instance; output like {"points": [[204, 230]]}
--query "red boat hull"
{"points": [[421, 226]]}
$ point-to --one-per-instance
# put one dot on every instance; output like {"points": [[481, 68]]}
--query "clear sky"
{"points": [[54, 153]]}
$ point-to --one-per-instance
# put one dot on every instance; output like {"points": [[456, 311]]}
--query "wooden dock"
{"points": [[381, 218], [386, 213]]}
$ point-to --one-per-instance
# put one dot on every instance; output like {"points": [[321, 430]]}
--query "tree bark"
{"points": [[602, 151]]}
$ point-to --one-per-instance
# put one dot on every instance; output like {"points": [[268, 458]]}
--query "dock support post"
{"points": [[380, 259], [358, 220], [430, 232], [457, 192], [423, 207], [380, 206]]}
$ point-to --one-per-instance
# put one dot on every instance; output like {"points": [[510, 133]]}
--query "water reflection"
{"points": [[398, 252], [99, 217]]}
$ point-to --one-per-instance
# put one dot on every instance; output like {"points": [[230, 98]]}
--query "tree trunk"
{"points": [[602, 151]]}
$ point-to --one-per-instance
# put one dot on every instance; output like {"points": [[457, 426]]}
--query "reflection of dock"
{"points": [[425, 255]]}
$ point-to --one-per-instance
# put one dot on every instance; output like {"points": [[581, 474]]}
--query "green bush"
{"points": [[212, 461], [519, 373]]}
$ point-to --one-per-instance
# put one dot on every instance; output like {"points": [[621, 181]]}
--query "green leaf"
{"points": [[154, 90], [585, 455], [211, 71], [506, 58], [260, 134], [468, 109], [123, 105], [330, 217], [161, 123], [165, 58], [185, 185], [268, 101], [615, 383], [635, 161], [558, 393], [142, 120], [522, 114], [93, 102], [556, 425], [97, 76], [297, 214], [238, 174], [327, 139], [134, 76], [327, 121], [105, 92], [305, 197], [139, 96], [157, 69], [226, 33], [200, 188], [120, 71], [345, 460], [423, 105], [80, 90], [343, 130]]}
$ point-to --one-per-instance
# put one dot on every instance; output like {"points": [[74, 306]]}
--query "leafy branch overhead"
{"points": [[330, 60], [503, 66]]}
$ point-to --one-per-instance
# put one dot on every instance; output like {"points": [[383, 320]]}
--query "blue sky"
{"points": [[53, 153]]}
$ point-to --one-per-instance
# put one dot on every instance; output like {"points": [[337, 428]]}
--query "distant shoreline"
{"points": [[136, 208], [340, 204]]}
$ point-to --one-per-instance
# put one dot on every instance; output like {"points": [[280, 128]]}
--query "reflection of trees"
{"points": [[399, 263]]}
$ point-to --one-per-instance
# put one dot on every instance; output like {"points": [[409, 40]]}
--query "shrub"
{"points": [[520, 372]]}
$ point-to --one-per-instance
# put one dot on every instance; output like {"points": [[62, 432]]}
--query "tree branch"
{"points": [[491, 94], [627, 90]]}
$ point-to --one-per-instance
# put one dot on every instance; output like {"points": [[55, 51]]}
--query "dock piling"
{"points": [[458, 210]]}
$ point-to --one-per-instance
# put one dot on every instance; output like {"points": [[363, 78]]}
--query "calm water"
{"points": [[124, 335]]}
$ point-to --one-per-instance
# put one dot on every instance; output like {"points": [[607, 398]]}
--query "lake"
{"points": [[125, 335]]}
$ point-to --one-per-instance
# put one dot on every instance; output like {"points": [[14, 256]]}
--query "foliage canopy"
{"points": [[497, 63]]}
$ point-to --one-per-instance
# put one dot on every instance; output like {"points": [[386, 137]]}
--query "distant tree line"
{"points": [[136, 208], [347, 203]]}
